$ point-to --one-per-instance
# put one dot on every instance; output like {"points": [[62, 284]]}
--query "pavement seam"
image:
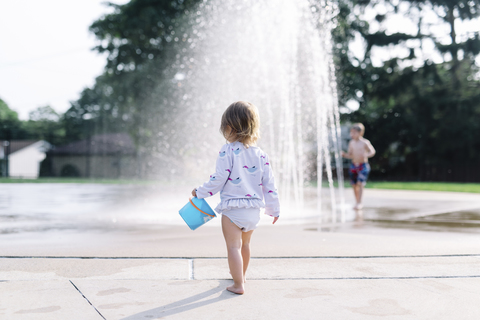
{"points": [[87, 299], [217, 258], [352, 278]]}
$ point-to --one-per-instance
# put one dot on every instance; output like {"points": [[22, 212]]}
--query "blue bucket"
{"points": [[196, 213]]}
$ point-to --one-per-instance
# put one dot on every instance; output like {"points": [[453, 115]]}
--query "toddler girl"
{"points": [[244, 177]]}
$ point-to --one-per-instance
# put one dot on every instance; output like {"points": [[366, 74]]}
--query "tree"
{"points": [[141, 39], [10, 125], [451, 11], [418, 113], [45, 113], [45, 123], [139, 31]]}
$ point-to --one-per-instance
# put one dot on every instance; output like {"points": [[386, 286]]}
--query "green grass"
{"points": [[423, 186], [428, 186]]}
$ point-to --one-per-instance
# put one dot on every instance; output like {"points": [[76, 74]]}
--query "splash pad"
{"points": [[277, 55]]}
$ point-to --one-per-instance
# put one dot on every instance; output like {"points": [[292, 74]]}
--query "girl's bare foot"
{"points": [[236, 290]]}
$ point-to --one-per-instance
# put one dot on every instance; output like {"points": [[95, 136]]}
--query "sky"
{"points": [[46, 56], [45, 52]]}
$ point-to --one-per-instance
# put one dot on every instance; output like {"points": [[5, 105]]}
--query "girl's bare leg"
{"points": [[246, 236], [233, 240]]}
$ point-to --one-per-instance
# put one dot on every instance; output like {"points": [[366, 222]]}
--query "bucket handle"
{"points": [[193, 204]]}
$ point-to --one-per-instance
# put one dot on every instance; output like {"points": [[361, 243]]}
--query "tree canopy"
{"points": [[420, 108], [10, 125], [421, 117]]}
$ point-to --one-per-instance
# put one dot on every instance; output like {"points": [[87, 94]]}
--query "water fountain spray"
{"points": [[277, 55]]}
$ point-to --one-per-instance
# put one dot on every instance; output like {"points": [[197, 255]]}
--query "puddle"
{"points": [[471, 216], [397, 218], [429, 226], [457, 221], [388, 211]]}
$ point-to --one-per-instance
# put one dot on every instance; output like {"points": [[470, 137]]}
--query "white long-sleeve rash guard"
{"points": [[244, 178]]}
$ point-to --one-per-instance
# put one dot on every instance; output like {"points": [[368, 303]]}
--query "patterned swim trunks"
{"points": [[359, 173]]}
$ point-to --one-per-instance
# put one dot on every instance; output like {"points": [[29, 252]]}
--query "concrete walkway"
{"points": [[364, 269]]}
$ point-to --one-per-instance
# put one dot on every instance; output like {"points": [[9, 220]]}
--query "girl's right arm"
{"points": [[272, 204], [219, 178]]}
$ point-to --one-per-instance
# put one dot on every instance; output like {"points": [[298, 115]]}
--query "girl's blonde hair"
{"points": [[244, 122]]}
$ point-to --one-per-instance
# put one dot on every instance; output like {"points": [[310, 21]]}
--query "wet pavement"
{"points": [[122, 252], [49, 207], [84, 207]]}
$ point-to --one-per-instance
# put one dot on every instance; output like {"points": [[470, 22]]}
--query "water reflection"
{"points": [[358, 218]]}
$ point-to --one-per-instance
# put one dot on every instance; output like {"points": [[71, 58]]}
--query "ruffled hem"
{"points": [[239, 203]]}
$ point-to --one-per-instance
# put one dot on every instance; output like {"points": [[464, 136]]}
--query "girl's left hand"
{"points": [[194, 192]]}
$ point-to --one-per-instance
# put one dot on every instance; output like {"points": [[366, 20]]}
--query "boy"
{"points": [[359, 150]]}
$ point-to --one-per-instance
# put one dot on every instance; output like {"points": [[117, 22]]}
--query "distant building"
{"points": [[24, 157], [101, 156]]}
